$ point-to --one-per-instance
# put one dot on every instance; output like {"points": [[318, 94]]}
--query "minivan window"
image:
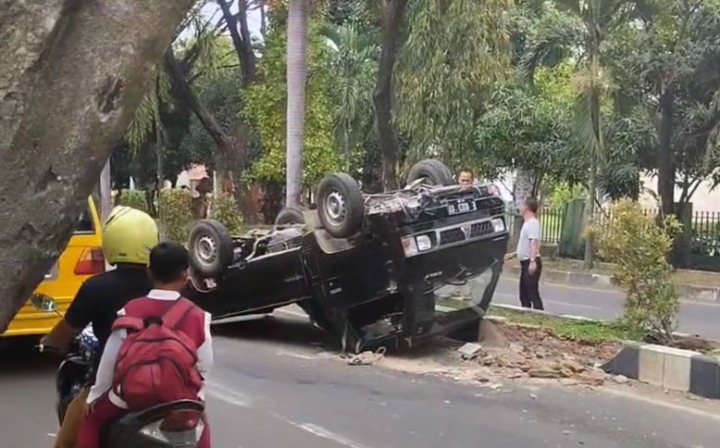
{"points": [[85, 222]]}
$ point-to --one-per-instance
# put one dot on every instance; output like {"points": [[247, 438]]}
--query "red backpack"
{"points": [[156, 363]]}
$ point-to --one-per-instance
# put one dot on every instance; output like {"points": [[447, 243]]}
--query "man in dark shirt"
{"points": [[128, 235]]}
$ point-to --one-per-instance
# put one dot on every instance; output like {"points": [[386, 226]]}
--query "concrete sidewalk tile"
{"points": [[676, 372], [651, 365], [626, 362], [705, 376]]}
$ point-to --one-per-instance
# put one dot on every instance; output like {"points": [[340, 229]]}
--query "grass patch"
{"points": [[583, 331], [577, 330]]}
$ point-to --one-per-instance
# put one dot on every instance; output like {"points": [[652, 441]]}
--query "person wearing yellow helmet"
{"points": [[128, 235]]}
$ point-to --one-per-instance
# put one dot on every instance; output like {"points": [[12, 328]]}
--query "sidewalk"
{"points": [[691, 285]]}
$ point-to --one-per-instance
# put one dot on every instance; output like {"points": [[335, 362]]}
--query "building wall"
{"points": [[704, 200]]}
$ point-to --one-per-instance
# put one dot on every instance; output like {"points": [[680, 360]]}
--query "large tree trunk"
{"points": [[393, 12], [71, 75], [240, 35], [231, 154], [666, 162], [296, 75]]}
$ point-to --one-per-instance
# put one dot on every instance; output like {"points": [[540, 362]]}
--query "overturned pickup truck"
{"points": [[365, 268]]}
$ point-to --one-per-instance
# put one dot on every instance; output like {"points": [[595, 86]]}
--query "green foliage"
{"points": [[265, 107], [529, 128], [175, 214], [132, 198], [225, 210], [562, 193], [216, 82], [453, 53], [638, 245]]}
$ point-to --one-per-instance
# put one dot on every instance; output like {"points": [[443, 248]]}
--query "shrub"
{"points": [[638, 245], [132, 198], [224, 209], [175, 214]]}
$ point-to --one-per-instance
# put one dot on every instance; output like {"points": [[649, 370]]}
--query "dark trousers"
{"points": [[530, 285]]}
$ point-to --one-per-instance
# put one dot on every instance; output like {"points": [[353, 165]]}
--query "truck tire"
{"points": [[341, 206], [210, 247], [434, 171], [289, 216]]}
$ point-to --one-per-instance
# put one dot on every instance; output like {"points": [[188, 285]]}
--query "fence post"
{"points": [[571, 241], [683, 241]]}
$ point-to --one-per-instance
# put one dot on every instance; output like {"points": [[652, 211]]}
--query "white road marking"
{"points": [[319, 431], [297, 355], [575, 305], [663, 403], [231, 396], [227, 395]]}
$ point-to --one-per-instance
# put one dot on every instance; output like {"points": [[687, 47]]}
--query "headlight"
{"points": [[423, 243], [498, 225]]}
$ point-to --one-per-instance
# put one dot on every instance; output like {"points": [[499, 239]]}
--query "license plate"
{"points": [[461, 206]]}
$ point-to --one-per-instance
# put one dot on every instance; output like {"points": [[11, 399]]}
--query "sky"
{"points": [[211, 10]]}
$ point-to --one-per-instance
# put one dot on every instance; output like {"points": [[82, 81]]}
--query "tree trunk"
{"points": [[666, 163], [597, 151], [71, 75], [296, 76], [231, 149], [393, 12], [240, 34]]}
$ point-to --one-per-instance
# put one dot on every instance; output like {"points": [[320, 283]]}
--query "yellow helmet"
{"points": [[128, 236]]}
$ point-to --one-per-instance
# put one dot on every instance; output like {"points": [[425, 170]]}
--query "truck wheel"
{"points": [[433, 171], [289, 216], [211, 248], [341, 206]]}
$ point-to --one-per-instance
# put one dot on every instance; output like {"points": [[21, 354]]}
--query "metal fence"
{"points": [[704, 247]]}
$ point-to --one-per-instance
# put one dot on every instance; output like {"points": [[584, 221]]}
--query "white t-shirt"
{"points": [[530, 231]]}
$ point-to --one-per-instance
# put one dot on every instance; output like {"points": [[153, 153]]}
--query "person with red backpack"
{"points": [[160, 350]]}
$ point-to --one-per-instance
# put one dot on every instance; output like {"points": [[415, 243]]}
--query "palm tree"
{"points": [[355, 63], [296, 76], [578, 31]]}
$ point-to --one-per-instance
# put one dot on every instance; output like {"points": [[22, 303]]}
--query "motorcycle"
{"points": [[178, 424]]}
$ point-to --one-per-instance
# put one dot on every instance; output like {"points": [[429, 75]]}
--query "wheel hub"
{"points": [[335, 208], [205, 250]]}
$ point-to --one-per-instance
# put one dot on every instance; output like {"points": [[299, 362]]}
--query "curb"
{"points": [[670, 368], [602, 281]]}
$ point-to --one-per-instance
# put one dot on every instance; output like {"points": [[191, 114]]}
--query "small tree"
{"points": [[175, 213], [225, 210], [638, 245]]}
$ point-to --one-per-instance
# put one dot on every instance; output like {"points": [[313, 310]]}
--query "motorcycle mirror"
{"points": [[43, 303]]}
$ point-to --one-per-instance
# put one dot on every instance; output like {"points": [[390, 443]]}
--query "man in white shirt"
{"points": [[528, 252]]}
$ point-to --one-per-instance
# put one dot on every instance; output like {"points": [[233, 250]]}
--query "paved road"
{"points": [[281, 391], [702, 318]]}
